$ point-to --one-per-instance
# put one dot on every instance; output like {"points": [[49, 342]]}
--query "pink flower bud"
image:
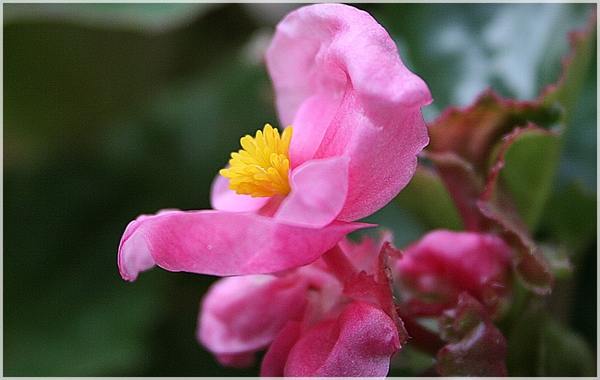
{"points": [[435, 270]]}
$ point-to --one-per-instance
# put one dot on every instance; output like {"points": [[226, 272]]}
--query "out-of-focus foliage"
{"points": [[113, 110]]}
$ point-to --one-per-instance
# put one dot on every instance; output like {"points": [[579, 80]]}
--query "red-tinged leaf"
{"points": [[473, 132], [476, 346], [568, 87], [463, 142], [464, 185], [498, 205]]}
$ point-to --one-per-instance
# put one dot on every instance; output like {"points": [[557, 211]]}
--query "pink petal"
{"points": [[383, 154], [340, 82], [312, 120], [365, 254], [244, 314], [322, 48], [359, 343], [273, 363], [223, 243], [223, 199], [447, 263], [242, 360], [319, 189], [138, 258]]}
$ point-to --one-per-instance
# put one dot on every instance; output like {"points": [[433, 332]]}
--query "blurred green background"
{"points": [[113, 110]]}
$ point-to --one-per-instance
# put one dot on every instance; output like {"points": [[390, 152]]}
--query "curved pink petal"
{"points": [[375, 179], [339, 61], [359, 343], [273, 364], [224, 199], [224, 243], [138, 258], [319, 189], [313, 118], [244, 314], [323, 48]]}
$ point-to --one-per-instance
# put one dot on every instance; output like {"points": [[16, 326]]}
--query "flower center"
{"points": [[261, 168]]}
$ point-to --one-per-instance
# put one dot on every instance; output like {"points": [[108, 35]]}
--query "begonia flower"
{"points": [[241, 315], [284, 200], [434, 271], [315, 321]]}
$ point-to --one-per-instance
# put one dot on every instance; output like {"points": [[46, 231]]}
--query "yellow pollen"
{"points": [[261, 168]]}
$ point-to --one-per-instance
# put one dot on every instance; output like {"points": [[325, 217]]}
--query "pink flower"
{"points": [[285, 200], [241, 315], [313, 322], [358, 343], [433, 272]]}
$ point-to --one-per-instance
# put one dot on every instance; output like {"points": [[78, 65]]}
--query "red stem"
{"points": [[422, 338]]}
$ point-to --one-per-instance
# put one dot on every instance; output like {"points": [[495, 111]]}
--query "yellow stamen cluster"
{"points": [[261, 168]]}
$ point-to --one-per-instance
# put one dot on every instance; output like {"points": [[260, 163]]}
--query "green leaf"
{"points": [[570, 219], [530, 166], [576, 93], [426, 197], [524, 337], [563, 353], [566, 92], [497, 204], [540, 346], [580, 149], [472, 135]]}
